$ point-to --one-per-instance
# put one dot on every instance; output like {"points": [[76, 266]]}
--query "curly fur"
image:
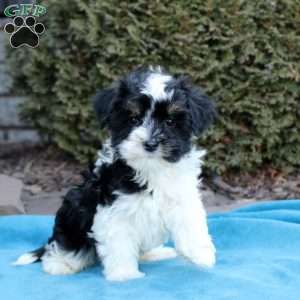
{"points": [[143, 188]]}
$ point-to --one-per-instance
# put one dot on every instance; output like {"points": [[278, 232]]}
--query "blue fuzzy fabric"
{"points": [[258, 257]]}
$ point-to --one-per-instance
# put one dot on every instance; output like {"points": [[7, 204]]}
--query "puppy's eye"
{"points": [[135, 120], [170, 122]]}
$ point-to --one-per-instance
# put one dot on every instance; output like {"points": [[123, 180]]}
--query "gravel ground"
{"points": [[47, 173]]}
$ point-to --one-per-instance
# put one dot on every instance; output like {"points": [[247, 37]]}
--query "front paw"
{"points": [[201, 255], [123, 275], [205, 258]]}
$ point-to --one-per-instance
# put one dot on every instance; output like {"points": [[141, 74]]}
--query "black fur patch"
{"points": [[201, 109], [128, 112], [75, 217]]}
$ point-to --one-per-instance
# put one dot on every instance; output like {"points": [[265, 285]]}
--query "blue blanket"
{"points": [[258, 257]]}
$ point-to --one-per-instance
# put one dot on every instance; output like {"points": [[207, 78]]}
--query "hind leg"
{"points": [[58, 261], [159, 253]]}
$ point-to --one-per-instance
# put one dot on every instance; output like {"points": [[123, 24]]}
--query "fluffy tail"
{"points": [[30, 257]]}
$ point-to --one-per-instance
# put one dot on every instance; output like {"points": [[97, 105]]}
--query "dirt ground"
{"points": [[47, 173]]}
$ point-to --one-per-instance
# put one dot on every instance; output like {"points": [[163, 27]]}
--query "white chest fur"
{"points": [[144, 215], [136, 223]]}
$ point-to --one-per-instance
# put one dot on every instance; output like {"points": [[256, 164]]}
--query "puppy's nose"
{"points": [[151, 146]]}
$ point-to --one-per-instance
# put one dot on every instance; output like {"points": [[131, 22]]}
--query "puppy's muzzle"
{"points": [[151, 145]]}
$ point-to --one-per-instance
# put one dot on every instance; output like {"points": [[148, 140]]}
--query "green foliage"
{"points": [[245, 54]]}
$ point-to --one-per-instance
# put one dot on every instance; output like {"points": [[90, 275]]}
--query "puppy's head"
{"points": [[152, 114]]}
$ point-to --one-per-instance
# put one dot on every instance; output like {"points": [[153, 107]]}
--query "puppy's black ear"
{"points": [[103, 102], [202, 109], [107, 99]]}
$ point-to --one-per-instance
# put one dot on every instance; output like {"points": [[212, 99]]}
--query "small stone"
{"points": [[33, 189], [278, 190], [18, 175], [10, 195]]}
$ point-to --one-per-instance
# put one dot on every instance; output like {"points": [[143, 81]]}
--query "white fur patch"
{"points": [[57, 261], [124, 275], [159, 253], [206, 257], [155, 85], [104, 156], [25, 259], [130, 225]]}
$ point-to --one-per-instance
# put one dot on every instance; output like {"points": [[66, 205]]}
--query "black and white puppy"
{"points": [[143, 189]]}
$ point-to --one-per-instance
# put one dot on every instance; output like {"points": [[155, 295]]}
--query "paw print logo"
{"points": [[24, 31]]}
